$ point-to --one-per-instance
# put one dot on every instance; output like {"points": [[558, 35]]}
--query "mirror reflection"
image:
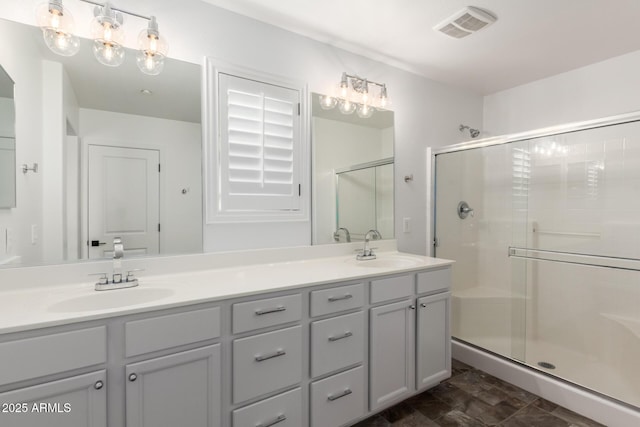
{"points": [[352, 174], [7, 142], [119, 155]]}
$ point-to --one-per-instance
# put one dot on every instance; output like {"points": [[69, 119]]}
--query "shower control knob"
{"points": [[133, 377]]}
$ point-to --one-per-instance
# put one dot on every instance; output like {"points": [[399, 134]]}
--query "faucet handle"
{"points": [[103, 279], [130, 276]]}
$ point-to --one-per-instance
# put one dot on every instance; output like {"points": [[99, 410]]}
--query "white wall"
{"points": [[599, 90], [26, 71], [179, 144]]}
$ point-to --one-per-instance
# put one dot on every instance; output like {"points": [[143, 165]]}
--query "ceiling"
{"points": [[532, 39]]}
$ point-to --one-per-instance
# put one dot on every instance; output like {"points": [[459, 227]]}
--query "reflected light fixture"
{"points": [[355, 95], [152, 49], [107, 33], [57, 27]]}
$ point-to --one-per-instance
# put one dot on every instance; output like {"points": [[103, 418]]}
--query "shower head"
{"points": [[473, 132]]}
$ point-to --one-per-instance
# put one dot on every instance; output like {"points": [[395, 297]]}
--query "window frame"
{"points": [[212, 145]]}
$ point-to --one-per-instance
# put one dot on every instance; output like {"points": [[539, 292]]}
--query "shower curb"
{"points": [[591, 405]]}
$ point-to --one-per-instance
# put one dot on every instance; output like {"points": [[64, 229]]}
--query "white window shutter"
{"points": [[259, 146]]}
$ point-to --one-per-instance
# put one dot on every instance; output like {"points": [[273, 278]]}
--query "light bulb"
{"points": [[383, 100], [365, 111], [152, 49], [108, 36], [347, 107], [327, 102], [57, 28]]}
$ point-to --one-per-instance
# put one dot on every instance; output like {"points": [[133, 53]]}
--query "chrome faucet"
{"points": [[367, 252], [117, 281], [336, 234]]}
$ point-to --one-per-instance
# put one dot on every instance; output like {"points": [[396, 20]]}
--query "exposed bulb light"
{"points": [[383, 100], [365, 111], [347, 107], [152, 49], [327, 102], [108, 36], [344, 86], [356, 94], [57, 28]]}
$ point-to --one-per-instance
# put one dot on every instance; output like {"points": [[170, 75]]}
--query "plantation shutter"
{"points": [[259, 146]]}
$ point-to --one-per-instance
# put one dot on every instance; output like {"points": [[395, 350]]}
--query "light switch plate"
{"points": [[406, 225]]}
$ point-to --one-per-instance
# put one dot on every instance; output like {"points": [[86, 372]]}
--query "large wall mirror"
{"points": [[7, 142], [119, 155], [352, 174]]}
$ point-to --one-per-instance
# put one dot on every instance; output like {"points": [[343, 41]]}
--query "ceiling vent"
{"points": [[465, 22]]}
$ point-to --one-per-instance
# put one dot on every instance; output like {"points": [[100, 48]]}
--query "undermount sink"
{"points": [[394, 261], [105, 300]]}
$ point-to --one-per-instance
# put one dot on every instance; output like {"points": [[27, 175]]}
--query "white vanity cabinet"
{"points": [[322, 355], [410, 346], [181, 389], [78, 401]]}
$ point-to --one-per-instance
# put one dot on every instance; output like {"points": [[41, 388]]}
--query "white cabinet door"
{"points": [[433, 340], [178, 390], [79, 401], [392, 353]]}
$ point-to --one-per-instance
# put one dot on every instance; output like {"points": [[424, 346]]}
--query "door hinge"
{"points": [[299, 108], [299, 190], [158, 228], [158, 167], [436, 242]]}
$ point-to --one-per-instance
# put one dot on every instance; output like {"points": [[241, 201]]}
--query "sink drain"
{"points": [[547, 365]]}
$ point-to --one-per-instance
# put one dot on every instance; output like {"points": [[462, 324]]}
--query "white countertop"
{"points": [[37, 307]]}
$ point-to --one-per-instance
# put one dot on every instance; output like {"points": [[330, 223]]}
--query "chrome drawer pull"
{"points": [[280, 418], [270, 310], [347, 334], [343, 297], [346, 392], [271, 356]]}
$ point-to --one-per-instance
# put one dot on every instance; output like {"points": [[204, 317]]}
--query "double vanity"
{"points": [[319, 342]]}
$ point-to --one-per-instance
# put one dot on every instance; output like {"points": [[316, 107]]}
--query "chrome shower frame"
{"points": [[499, 140]]}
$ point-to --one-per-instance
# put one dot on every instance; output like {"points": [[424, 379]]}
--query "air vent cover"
{"points": [[465, 22]]}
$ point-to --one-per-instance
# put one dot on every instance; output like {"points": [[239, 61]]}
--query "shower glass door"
{"points": [[488, 286], [547, 253]]}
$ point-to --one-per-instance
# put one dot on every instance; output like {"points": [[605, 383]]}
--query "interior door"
{"points": [[123, 200]]}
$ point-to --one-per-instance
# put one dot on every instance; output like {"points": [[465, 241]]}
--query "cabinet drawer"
{"points": [[392, 288], [337, 343], [434, 280], [158, 333], [283, 410], [51, 354], [338, 399], [266, 363], [333, 300], [251, 315]]}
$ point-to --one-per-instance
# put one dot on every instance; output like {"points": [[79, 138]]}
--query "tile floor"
{"points": [[473, 398]]}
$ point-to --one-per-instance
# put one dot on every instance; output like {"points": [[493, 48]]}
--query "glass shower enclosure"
{"points": [[547, 250]]}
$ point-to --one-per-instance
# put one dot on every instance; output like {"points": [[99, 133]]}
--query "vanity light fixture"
{"points": [[355, 95], [107, 32], [57, 27], [108, 35], [152, 49]]}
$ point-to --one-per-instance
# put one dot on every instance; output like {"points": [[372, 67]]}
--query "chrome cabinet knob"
{"points": [[423, 305], [133, 377], [98, 385], [412, 307]]}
